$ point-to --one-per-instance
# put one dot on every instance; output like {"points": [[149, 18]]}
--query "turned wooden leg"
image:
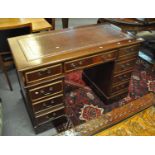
{"points": [[65, 22], [101, 21], [7, 78], [53, 23]]}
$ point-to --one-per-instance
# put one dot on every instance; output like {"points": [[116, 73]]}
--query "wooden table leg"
{"points": [[51, 21], [65, 22]]}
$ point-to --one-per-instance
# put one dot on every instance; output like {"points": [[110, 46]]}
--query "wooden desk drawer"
{"points": [[125, 65], [132, 50], [46, 90], [120, 87], [122, 77], [89, 61], [48, 103], [50, 116], [118, 96], [133, 55], [43, 73]]}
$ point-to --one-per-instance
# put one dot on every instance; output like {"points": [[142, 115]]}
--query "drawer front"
{"points": [[48, 103], [133, 55], [89, 61], [122, 77], [123, 66], [133, 50], [50, 116], [43, 73], [120, 87], [119, 96], [46, 90]]}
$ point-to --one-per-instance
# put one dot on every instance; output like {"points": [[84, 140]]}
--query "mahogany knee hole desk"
{"points": [[105, 54]]}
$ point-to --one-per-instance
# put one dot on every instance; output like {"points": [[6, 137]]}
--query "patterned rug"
{"points": [[83, 105], [141, 124]]}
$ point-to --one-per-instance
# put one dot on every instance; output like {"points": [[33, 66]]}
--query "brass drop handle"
{"points": [[36, 93], [128, 64], [50, 118], [44, 71], [123, 76], [45, 105], [44, 93], [120, 77], [51, 102], [73, 65], [131, 49], [50, 88], [109, 56], [123, 66], [54, 114], [80, 62]]}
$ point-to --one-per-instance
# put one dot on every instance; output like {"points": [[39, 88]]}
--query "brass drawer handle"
{"points": [[80, 62], [54, 114], [36, 93], [120, 77], [46, 106], [128, 64], [132, 49], [44, 93], [52, 101], [73, 65], [50, 118], [109, 55], [123, 66], [44, 72], [50, 88]]}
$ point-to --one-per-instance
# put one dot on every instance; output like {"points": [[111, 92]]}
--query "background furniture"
{"points": [[37, 24], [6, 59], [131, 24], [51, 21], [42, 68], [65, 22], [137, 26], [10, 27]]}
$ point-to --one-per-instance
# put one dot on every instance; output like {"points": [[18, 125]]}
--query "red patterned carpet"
{"points": [[82, 104]]}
